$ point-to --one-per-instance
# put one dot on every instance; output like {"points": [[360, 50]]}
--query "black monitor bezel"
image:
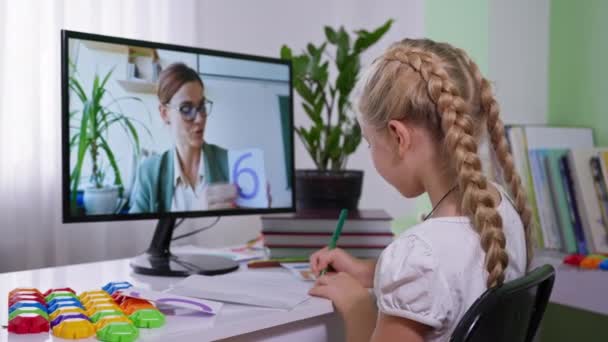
{"points": [[68, 218]]}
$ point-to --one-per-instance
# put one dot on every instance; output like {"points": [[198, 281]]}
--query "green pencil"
{"points": [[336, 235]]}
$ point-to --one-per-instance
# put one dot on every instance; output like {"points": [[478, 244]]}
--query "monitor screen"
{"points": [[154, 130]]}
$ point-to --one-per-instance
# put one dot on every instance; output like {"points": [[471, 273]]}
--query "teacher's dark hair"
{"points": [[172, 78]]}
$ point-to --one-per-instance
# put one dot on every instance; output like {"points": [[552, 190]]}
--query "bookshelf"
{"points": [[554, 163]]}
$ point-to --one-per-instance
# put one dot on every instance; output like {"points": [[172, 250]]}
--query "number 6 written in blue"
{"points": [[237, 172]]}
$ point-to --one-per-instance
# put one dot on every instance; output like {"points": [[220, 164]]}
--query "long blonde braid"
{"points": [[496, 131]]}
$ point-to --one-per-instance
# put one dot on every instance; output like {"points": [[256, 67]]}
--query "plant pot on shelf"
{"points": [[99, 201], [316, 189]]}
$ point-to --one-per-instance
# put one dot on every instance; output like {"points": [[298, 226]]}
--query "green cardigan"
{"points": [[153, 191]]}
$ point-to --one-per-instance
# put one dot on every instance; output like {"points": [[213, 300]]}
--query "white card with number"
{"points": [[246, 168]]}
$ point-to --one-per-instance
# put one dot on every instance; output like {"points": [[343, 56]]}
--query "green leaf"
{"points": [[315, 135], [331, 35], [83, 145], [366, 39], [343, 47], [313, 114], [318, 108], [286, 52], [333, 142], [312, 50], [105, 80], [304, 91], [77, 88], [352, 139], [320, 74], [345, 83], [110, 155], [299, 65], [303, 134]]}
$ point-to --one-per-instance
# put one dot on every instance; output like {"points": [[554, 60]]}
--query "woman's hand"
{"points": [[221, 196], [340, 261]]}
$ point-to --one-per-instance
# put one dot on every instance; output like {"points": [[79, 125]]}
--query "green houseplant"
{"points": [[90, 127], [334, 133]]}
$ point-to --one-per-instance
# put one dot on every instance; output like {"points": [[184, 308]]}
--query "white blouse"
{"points": [[433, 272], [186, 197]]}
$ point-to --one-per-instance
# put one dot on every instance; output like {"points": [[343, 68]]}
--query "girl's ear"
{"points": [[164, 114], [400, 135]]}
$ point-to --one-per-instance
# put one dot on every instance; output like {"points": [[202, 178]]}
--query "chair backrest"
{"points": [[511, 312]]}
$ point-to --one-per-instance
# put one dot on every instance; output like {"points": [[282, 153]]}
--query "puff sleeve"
{"points": [[408, 283]]}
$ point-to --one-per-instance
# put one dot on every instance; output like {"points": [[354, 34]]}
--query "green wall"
{"points": [[578, 65], [462, 23]]}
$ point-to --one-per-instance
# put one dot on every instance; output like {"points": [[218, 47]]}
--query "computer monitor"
{"points": [[161, 131]]}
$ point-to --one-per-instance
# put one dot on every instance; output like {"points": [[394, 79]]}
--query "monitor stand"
{"points": [[159, 261]]}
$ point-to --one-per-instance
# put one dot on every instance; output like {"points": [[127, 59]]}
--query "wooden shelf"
{"points": [[93, 45], [132, 51], [143, 59], [138, 86]]}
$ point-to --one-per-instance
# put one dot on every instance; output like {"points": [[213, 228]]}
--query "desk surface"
{"points": [[233, 320]]}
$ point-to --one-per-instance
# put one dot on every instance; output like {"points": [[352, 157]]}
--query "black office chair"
{"points": [[510, 313]]}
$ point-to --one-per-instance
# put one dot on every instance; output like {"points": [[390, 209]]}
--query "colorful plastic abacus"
{"points": [[104, 313]]}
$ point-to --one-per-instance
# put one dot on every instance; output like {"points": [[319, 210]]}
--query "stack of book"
{"points": [[565, 177], [365, 234]]}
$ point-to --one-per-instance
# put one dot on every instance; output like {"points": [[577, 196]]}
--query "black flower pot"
{"points": [[317, 189]]}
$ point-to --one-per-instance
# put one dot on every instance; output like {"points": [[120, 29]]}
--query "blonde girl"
{"points": [[422, 108]]}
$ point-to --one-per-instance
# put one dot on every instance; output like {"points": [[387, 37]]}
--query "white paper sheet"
{"points": [[260, 288]]}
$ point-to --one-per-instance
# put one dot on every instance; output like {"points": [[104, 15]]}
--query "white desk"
{"points": [[313, 320], [575, 287]]}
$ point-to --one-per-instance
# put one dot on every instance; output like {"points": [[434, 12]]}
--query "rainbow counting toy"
{"points": [[105, 313]]}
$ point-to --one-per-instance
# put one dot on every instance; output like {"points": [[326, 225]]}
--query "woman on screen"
{"points": [[193, 175]]}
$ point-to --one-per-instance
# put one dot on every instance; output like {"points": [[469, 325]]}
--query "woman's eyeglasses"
{"points": [[189, 111]]}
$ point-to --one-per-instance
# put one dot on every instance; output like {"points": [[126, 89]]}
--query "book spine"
{"points": [[600, 191], [372, 253], [316, 241], [554, 196], [541, 201], [551, 212], [572, 204], [519, 152], [604, 158], [589, 208], [560, 201], [325, 226]]}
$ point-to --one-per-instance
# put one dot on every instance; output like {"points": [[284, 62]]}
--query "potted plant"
{"points": [[334, 133], [90, 131]]}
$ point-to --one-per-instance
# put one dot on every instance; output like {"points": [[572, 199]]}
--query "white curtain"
{"points": [[31, 230]]}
